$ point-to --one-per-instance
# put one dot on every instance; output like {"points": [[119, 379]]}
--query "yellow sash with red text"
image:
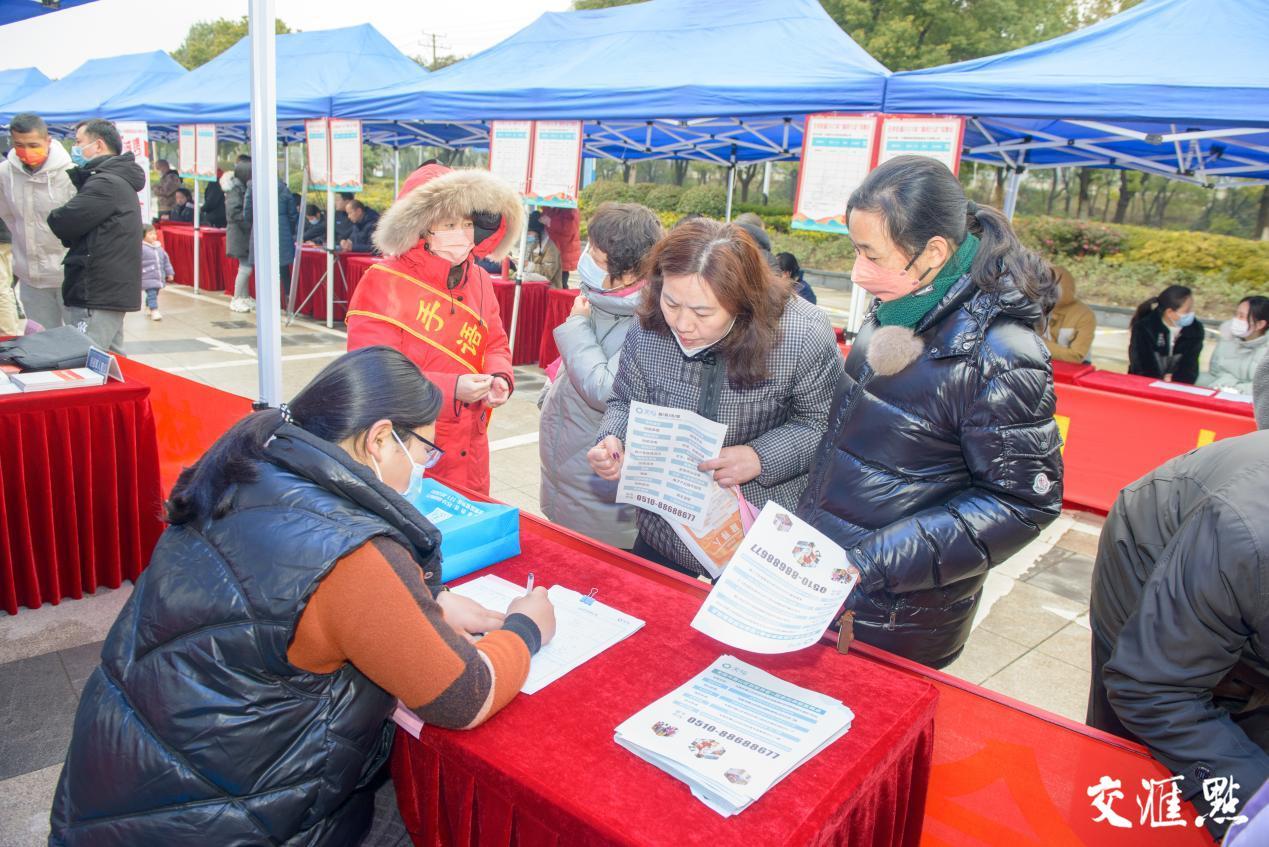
{"points": [[430, 315]]}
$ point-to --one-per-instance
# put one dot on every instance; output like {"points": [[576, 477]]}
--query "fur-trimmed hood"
{"points": [[435, 192]]}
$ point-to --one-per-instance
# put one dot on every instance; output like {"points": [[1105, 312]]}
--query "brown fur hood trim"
{"points": [[435, 193]]}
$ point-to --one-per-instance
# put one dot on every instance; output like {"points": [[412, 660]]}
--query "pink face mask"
{"points": [[883, 283], [453, 245]]}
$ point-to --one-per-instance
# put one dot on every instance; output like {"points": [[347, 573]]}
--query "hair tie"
{"points": [[971, 208], [287, 417]]}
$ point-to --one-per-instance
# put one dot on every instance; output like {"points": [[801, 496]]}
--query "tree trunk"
{"points": [[1053, 187], [745, 176], [1066, 190], [679, 170], [1106, 206], [1085, 208], [1262, 216], [1125, 198], [998, 190]]}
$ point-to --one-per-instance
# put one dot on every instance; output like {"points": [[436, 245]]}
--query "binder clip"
{"points": [[589, 599]]}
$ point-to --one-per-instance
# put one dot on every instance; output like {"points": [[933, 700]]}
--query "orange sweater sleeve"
{"points": [[374, 611]]}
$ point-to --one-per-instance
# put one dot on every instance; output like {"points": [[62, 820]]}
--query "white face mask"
{"points": [[415, 485], [692, 351], [592, 274], [1239, 328]]}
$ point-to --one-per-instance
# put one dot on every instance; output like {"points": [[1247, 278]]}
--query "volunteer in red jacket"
{"points": [[430, 300]]}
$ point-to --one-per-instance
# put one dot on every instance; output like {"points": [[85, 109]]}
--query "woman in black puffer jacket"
{"points": [[941, 458]]}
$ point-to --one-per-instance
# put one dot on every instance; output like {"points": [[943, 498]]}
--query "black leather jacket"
{"points": [[931, 476]]}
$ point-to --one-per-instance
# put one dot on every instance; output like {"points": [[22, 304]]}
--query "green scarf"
{"points": [[908, 311]]}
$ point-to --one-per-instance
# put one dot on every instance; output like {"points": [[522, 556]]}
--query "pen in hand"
{"points": [[528, 585]]}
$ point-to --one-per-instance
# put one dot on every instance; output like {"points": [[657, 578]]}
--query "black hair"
{"points": [[919, 198], [626, 232], [348, 195], [244, 157], [103, 131], [1172, 297], [242, 170], [788, 263], [355, 204], [535, 223], [343, 401], [312, 211], [28, 122], [1257, 309], [185, 191]]}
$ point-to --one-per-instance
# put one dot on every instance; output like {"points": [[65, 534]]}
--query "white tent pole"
{"points": [[766, 183], [197, 255], [396, 170], [264, 140], [731, 187], [286, 157], [330, 246], [515, 302], [1011, 191]]}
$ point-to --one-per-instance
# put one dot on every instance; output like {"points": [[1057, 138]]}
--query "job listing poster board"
{"points": [[935, 137], [542, 160], [334, 154], [839, 151], [197, 152], [135, 139]]}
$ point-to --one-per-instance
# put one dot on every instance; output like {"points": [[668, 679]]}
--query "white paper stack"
{"points": [[56, 380], [7, 387], [584, 627], [734, 731]]}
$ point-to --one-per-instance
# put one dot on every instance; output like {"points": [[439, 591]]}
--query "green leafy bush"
{"points": [[1240, 259], [709, 200], [1060, 237], [664, 198]]}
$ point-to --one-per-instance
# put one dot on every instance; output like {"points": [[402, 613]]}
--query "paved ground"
{"points": [[1030, 639]]}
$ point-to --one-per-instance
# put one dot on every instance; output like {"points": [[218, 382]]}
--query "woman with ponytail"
{"points": [[1165, 339], [941, 458], [244, 692]]}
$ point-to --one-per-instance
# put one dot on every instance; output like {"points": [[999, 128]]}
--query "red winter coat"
{"points": [[564, 232], [434, 193]]}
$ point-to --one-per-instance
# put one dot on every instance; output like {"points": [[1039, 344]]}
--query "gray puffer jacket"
{"points": [[1260, 391], [1180, 616], [571, 494]]}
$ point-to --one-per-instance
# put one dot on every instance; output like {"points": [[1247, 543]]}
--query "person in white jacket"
{"points": [[620, 235], [34, 181]]}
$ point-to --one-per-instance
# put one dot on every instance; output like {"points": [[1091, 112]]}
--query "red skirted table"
{"points": [[178, 241], [355, 267], [79, 491], [546, 771], [532, 313], [1069, 373], [559, 302], [1140, 386]]}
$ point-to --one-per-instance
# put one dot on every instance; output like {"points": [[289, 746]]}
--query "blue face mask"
{"points": [[1185, 320], [592, 274], [415, 486], [78, 157]]}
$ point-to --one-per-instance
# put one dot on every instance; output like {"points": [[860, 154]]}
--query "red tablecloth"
{"points": [[1069, 373], [546, 770], [79, 491], [532, 314], [1139, 386], [559, 302], [178, 241]]}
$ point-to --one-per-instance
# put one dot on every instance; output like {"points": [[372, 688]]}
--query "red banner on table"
{"points": [[1115, 439]]}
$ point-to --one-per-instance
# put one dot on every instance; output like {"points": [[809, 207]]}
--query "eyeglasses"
{"points": [[434, 453]]}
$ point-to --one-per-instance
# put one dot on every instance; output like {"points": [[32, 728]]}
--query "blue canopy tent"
{"points": [[656, 80], [88, 91], [313, 68], [18, 83], [1178, 88], [12, 11]]}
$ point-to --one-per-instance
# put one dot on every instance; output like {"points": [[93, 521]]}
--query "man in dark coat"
{"points": [[101, 226], [364, 220], [288, 217], [1180, 617], [213, 211]]}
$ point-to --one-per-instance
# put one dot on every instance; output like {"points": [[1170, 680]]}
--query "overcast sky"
{"points": [[59, 43]]}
